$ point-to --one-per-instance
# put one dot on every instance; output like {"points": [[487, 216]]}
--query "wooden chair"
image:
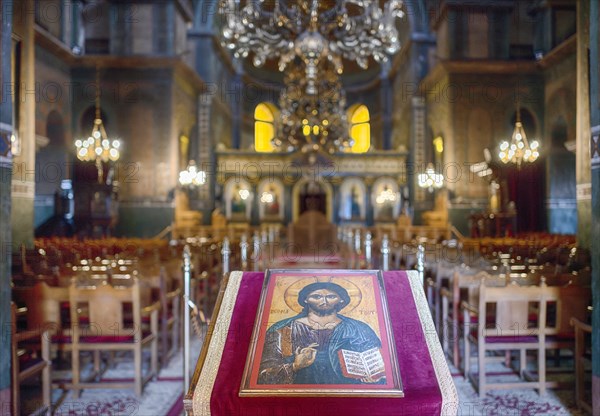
{"points": [[583, 359], [566, 303], [512, 328], [47, 310], [170, 318], [108, 330], [463, 285], [27, 361]]}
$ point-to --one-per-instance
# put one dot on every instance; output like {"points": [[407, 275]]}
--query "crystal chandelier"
{"points": [[312, 38], [191, 176], [312, 122], [385, 196], [98, 147], [519, 149], [430, 179]]}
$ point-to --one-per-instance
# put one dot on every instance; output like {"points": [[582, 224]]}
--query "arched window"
{"points": [[264, 128], [360, 128]]}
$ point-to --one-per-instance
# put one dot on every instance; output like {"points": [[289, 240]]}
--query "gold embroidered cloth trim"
{"points": [[440, 366], [206, 381]]}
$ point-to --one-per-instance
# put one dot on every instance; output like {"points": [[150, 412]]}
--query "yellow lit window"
{"points": [[360, 128], [264, 129]]}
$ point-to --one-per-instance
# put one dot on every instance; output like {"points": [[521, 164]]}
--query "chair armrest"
{"points": [[25, 335], [173, 294], [445, 292], [465, 305], [147, 310], [581, 325]]}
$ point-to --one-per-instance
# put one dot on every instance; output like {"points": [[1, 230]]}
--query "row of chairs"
{"points": [[504, 310], [124, 315], [525, 318]]}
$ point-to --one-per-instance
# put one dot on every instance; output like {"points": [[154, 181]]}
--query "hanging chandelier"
{"points": [[98, 147], [312, 39], [430, 179], [519, 149], [312, 122], [191, 177]]}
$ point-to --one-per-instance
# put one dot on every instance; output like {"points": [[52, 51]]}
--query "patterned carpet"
{"points": [[163, 397], [516, 402]]}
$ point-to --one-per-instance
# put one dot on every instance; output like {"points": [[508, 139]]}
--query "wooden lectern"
{"points": [[427, 383]]}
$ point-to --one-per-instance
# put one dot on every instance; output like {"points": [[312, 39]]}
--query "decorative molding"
{"points": [[254, 166], [584, 191]]}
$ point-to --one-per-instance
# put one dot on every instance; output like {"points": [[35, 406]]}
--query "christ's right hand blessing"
{"points": [[305, 356]]}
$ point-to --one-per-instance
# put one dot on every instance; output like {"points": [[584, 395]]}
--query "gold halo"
{"points": [[290, 295]]}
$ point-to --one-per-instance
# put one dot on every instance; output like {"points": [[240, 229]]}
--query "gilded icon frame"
{"points": [[274, 340]]}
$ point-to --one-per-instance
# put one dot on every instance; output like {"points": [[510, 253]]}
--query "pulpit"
{"points": [[427, 384]]}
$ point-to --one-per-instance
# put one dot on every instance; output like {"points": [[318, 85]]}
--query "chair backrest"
{"points": [[469, 279], [105, 306], [44, 304], [512, 316], [571, 302]]}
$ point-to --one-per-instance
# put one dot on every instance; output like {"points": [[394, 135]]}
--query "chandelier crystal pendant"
{"points": [[519, 149], [309, 40], [98, 147]]}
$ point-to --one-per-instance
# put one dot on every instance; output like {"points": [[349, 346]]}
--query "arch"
{"points": [[360, 128], [296, 197], [52, 168], [87, 120], [264, 127], [559, 133], [352, 205], [271, 200], [385, 210]]}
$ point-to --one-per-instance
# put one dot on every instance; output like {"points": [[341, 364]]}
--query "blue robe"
{"points": [[276, 362]]}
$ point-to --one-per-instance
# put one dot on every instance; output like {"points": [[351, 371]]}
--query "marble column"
{"points": [[593, 14], [206, 158], [387, 103], [582, 164], [6, 131], [23, 179]]}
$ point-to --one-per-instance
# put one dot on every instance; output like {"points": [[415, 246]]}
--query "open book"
{"points": [[359, 365]]}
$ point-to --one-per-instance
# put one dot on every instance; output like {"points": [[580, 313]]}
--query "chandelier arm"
{"points": [[97, 98]]}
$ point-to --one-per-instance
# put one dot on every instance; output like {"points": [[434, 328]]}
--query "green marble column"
{"points": [[23, 178], [582, 163], [594, 45], [6, 130]]}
